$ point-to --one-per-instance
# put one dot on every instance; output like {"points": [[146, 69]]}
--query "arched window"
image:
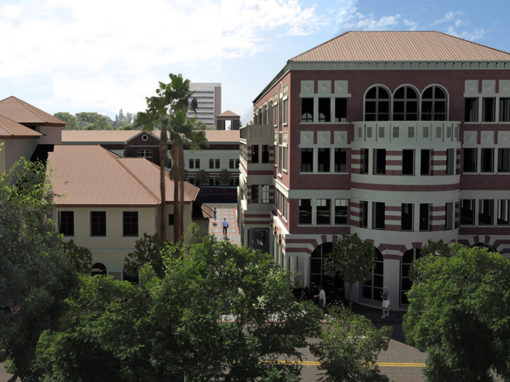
{"points": [[490, 248], [405, 104], [433, 104], [98, 269], [317, 275], [405, 266], [377, 104], [372, 289]]}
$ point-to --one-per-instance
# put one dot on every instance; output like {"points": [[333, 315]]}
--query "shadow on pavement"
{"points": [[374, 315]]}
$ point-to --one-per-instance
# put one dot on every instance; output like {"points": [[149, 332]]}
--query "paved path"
{"points": [[228, 211]]}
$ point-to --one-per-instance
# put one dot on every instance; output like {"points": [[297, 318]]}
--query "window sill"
{"points": [[130, 236]]}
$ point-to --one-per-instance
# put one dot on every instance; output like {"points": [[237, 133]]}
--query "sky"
{"points": [[106, 55]]}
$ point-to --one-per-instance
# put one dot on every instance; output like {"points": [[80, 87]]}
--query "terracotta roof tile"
{"points": [[91, 175], [22, 112], [401, 46], [98, 136], [12, 129], [228, 113]]}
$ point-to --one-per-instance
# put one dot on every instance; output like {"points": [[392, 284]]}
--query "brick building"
{"points": [[399, 137]]}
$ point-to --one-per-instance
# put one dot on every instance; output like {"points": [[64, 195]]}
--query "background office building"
{"points": [[208, 96]]}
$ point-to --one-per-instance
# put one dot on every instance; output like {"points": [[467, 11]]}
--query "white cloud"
{"points": [[456, 24], [100, 54], [350, 18]]}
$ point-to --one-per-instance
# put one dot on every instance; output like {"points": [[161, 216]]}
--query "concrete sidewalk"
{"points": [[228, 211]]}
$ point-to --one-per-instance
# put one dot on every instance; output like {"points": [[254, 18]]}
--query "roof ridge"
{"points": [[472, 42], [315, 47], [171, 180], [114, 157], [25, 105]]}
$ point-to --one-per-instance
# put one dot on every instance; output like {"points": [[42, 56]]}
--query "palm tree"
{"points": [[167, 112]]}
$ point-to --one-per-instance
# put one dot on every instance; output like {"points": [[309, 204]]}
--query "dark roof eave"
{"points": [[277, 78]]}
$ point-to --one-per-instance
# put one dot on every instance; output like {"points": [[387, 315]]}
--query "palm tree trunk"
{"points": [[177, 165], [180, 201], [162, 220]]}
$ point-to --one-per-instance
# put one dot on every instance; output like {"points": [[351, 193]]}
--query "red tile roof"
{"points": [[12, 129], [401, 46], [90, 175], [228, 113], [22, 112]]}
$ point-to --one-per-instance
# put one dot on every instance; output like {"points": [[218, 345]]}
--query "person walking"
{"points": [[214, 213], [322, 298], [225, 226], [385, 303]]}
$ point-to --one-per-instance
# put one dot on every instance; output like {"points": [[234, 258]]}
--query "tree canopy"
{"points": [[459, 313], [35, 274]]}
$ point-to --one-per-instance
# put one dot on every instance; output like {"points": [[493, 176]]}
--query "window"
{"points": [[254, 153], [324, 160], [197, 163], [170, 219], [340, 109], [504, 212], [217, 163], [424, 217], [265, 194], [450, 162], [306, 160], [191, 163], [237, 163], [405, 104], [211, 163], [433, 104], [363, 213], [305, 211], [486, 212], [323, 213], [144, 154], [265, 153], [97, 223], [405, 273], [377, 104], [470, 160], [378, 215], [341, 211], [364, 161], [66, 223], [467, 212], [406, 223], [130, 223], [340, 160], [324, 110], [504, 110], [284, 202], [230, 163], [407, 162], [379, 161], [285, 110], [488, 109], [425, 162], [487, 160], [254, 193], [503, 160], [471, 110], [448, 224], [306, 109], [372, 289]]}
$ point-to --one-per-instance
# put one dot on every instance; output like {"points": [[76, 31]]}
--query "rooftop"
{"points": [[400, 46], [22, 112], [12, 129], [84, 175]]}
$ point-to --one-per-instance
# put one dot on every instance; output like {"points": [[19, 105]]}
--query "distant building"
{"points": [[228, 121], [208, 96]]}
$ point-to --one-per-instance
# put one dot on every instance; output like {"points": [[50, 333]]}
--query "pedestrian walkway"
{"points": [[228, 211]]}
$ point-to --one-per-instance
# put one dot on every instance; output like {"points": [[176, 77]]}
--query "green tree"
{"points": [[167, 112], [94, 121], [212, 279], [101, 336], [348, 347], [202, 178], [70, 120], [35, 275], [80, 257], [147, 251], [459, 313], [225, 176], [353, 259], [439, 248]]}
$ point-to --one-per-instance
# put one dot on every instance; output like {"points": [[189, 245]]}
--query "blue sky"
{"points": [[103, 55]]}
